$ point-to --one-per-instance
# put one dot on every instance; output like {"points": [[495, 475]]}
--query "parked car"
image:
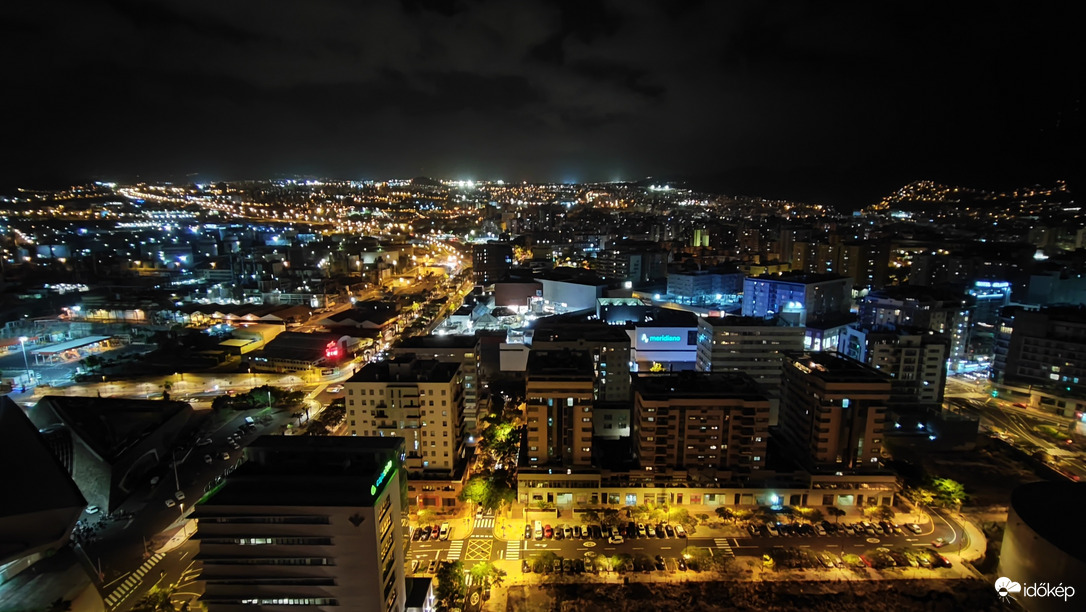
{"points": [[432, 568], [155, 480], [426, 531], [753, 530], [577, 532], [615, 539], [203, 442], [208, 459], [416, 535], [848, 529], [225, 456], [527, 531], [669, 530], [679, 531], [435, 532], [660, 563], [415, 566], [681, 564], [659, 530], [444, 531], [93, 510], [820, 530], [558, 566], [179, 495], [170, 503], [548, 532], [525, 567], [771, 529], [913, 527], [641, 529]]}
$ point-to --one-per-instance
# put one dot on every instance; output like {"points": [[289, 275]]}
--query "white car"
{"points": [[772, 529], [170, 503], [179, 495], [92, 509], [615, 539], [820, 530]]}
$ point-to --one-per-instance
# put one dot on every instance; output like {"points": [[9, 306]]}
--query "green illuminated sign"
{"points": [[381, 479]]}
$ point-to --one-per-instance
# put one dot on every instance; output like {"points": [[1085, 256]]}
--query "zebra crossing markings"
{"points": [[118, 595], [484, 523], [512, 550], [455, 549], [722, 544]]}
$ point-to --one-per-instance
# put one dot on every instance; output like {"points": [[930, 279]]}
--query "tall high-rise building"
{"points": [[307, 522], [700, 420], [751, 345], [420, 400], [866, 263], [558, 408], [833, 410], [490, 261]]}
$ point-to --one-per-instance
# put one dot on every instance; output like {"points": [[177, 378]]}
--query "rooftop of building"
{"points": [[802, 278], [918, 293], [37, 482], [562, 328], [109, 426], [739, 321], [406, 368], [705, 385], [432, 342], [834, 367], [417, 589], [310, 471]]}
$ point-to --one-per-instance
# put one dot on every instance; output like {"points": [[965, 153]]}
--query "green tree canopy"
{"points": [[450, 590]]}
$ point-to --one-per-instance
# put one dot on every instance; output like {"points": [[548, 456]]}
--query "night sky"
{"points": [[784, 99]]}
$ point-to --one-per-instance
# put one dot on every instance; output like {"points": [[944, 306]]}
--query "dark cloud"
{"points": [[827, 100]]}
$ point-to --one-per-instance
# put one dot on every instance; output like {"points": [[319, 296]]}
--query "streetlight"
{"points": [[22, 343]]}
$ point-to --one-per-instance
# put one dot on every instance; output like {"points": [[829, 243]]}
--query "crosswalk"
{"points": [[722, 544], [484, 523], [455, 548], [125, 588], [512, 550]]}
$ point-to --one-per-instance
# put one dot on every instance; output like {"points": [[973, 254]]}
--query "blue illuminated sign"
{"points": [[660, 338]]}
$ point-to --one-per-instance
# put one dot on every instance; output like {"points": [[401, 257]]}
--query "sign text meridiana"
{"points": [[381, 479]]}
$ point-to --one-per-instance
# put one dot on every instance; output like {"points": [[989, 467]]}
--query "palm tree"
{"points": [[835, 512]]}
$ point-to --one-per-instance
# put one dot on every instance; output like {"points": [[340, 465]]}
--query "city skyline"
{"points": [[837, 105]]}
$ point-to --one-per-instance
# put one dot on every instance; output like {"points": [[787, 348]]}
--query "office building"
{"points": [[797, 297], [833, 411], [867, 263], [751, 345], [914, 358], [490, 261], [419, 400], [1046, 349], [558, 408], [943, 311], [306, 522]]}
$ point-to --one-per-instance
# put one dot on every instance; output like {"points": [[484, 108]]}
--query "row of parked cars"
{"points": [[615, 535], [601, 564], [431, 532], [862, 528]]}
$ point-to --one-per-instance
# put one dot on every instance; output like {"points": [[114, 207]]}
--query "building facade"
{"points": [[833, 411], [796, 296], [558, 408], [311, 522], [700, 421], [751, 345], [419, 400]]}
